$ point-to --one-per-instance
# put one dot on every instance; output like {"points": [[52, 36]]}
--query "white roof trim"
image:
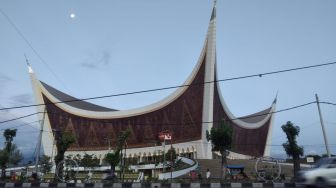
{"points": [[127, 113], [239, 122]]}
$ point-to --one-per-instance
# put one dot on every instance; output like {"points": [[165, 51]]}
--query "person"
{"points": [[208, 174]]}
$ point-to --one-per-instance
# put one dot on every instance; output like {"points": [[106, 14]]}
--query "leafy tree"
{"points": [[291, 147], [15, 156], [4, 158], [63, 142], [171, 154], [9, 135], [113, 158], [221, 139], [89, 161], [45, 164]]}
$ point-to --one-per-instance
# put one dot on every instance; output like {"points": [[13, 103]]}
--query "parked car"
{"points": [[322, 174]]}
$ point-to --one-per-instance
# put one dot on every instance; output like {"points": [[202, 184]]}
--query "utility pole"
{"points": [[164, 155], [322, 125], [123, 170], [39, 142], [171, 160]]}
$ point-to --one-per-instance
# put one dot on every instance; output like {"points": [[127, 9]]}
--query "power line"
{"points": [[30, 46], [245, 117], [17, 118], [21, 125], [173, 87], [334, 104]]}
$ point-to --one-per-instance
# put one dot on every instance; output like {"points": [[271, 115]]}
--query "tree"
{"points": [[221, 140], [9, 135], [171, 154], [4, 157], [89, 161], [63, 142], [15, 156], [291, 147], [113, 158], [45, 164]]}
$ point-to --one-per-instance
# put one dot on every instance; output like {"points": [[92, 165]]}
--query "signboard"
{"points": [[310, 159]]}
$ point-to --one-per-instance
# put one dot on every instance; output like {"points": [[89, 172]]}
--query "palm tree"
{"points": [[9, 135], [113, 158]]}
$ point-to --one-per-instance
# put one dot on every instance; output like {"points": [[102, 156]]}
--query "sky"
{"points": [[94, 48]]}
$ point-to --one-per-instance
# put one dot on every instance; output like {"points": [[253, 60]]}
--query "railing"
{"points": [[174, 174]]}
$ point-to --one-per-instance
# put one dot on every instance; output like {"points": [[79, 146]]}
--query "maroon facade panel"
{"points": [[244, 141], [183, 117]]}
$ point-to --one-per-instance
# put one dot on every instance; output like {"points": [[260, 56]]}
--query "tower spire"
{"points": [[30, 70], [213, 15]]}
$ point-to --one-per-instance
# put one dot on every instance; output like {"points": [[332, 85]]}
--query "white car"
{"points": [[321, 175]]}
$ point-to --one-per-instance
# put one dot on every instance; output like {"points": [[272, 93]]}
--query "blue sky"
{"points": [[112, 47]]}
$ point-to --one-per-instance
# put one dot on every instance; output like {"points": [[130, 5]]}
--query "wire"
{"points": [[245, 117], [21, 125], [328, 103], [171, 87], [31, 46], [21, 117]]}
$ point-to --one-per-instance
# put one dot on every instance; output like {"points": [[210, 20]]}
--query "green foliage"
{"points": [[45, 164], [221, 140], [63, 142], [9, 135], [171, 154], [89, 161], [291, 147], [4, 157], [15, 155], [122, 139], [221, 137], [112, 158]]}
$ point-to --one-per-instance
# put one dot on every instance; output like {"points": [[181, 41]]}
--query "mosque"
{"points": [[186, 114]]}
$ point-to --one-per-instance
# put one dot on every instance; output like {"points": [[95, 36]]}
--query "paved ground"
{"points": [[149, 185]]}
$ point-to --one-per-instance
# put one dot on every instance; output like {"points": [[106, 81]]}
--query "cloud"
{"points": [[3, 81], [97, 61], [4, 78], [22, 99]]}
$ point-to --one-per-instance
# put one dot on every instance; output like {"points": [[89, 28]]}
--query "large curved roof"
{"points": [[74, 102]]}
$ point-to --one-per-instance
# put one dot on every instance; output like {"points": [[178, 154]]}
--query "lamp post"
{"points": [[109, 144], [124, 162]]}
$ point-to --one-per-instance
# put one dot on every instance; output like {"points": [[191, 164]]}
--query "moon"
{"points": [[72, 15]]}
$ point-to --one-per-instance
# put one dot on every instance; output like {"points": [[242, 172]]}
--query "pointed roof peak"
{"points": [[276, 97], [30, 70], [213, 15]]}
